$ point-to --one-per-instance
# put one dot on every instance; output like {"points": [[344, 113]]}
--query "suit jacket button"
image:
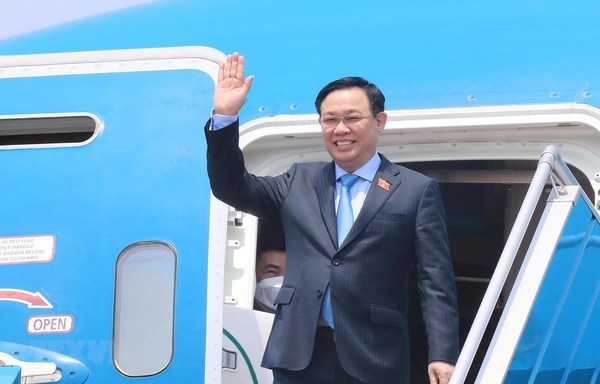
{"points": [[319, 293], [335, 262]]}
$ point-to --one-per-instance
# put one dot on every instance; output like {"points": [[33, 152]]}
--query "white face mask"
{"points": [[267, 289]]}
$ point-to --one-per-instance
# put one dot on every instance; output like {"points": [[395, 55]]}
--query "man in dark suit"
{"points": [[342, 310]]}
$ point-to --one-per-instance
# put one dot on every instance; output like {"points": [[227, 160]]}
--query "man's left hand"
{"points": [[439, 372]]}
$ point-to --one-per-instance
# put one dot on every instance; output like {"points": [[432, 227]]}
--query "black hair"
{"points": [[374, 94], [270, 238]]}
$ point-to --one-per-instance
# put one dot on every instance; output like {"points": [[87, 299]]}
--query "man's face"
{"points": [[350, 145], [270, 264]]}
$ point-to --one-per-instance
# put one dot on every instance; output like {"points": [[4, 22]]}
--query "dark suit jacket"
{"points": [[398, 227]]}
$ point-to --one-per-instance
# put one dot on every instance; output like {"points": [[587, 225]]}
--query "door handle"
{"points": [[33, 372]]}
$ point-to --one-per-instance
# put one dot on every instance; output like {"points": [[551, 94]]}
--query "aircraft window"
{"points": [[144, 309], [28, 131]]}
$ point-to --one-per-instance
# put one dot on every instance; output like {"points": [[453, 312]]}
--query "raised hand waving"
{"points": [[232, 88]]}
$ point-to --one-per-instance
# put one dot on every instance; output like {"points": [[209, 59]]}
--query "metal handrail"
{"points": [[550, 163]]}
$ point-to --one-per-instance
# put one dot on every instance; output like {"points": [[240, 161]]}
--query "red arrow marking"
{"points": [[33, 300]]}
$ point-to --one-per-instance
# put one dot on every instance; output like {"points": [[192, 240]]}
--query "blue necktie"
{"points": [[345, 219]]}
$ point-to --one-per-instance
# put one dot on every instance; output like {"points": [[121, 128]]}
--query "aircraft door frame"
{"points": [[202, 59]]}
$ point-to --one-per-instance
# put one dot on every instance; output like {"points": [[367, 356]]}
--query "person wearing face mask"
{"points": [[270, 267]]}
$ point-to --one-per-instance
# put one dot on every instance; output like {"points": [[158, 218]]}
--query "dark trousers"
{"points": [[324, 367]]}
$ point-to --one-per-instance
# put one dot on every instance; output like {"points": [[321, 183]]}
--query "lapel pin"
{"points": [[383, 184]]}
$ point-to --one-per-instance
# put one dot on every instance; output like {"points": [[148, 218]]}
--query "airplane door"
{"points": [[105, 242]]}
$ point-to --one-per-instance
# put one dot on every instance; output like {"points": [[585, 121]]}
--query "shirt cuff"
{"points": [[221, 121]]}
